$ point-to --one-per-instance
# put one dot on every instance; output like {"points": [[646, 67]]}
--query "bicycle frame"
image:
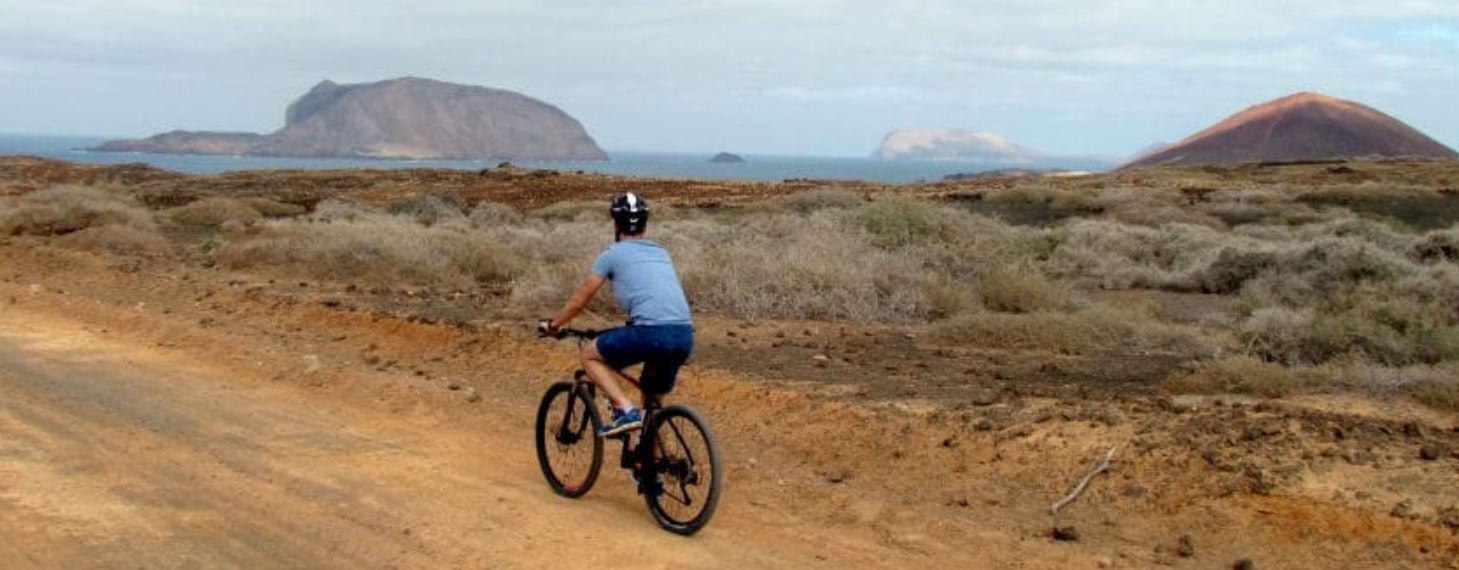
{"points": [[630, 458]]}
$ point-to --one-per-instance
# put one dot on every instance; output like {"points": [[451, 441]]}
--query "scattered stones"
{"points": [[1184, 547], [1066, 534]]}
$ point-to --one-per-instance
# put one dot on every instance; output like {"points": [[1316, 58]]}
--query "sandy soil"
{"points": [[164, 416]]}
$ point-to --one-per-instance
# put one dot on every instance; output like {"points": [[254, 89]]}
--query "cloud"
{"points": [[702, 75], [855, 93]]}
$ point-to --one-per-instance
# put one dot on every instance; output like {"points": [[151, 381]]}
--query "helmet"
{"points": [[630, 213]]}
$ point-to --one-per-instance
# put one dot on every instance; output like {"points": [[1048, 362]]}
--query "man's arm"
{"points": [[579, 299]]}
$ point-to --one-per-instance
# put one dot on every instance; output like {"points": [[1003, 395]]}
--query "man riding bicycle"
{"points": [[659, 333]]}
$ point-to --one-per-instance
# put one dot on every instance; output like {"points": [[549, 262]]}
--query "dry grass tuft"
{"points": [[116, 239], [1238, 375], [213, 212]]}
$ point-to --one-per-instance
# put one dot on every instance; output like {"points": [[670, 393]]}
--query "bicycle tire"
{"points": [[550, 436], [673, 472]]}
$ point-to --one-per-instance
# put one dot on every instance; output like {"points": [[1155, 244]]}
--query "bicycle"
{"points": [[676, 458]]}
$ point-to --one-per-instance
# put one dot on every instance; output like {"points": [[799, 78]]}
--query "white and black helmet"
{"points": [[630, 213]]}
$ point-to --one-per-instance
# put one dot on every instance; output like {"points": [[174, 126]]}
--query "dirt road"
{"points": [[114, 455]]}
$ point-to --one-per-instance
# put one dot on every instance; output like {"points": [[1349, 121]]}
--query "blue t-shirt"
{"points": [[645, 283]]}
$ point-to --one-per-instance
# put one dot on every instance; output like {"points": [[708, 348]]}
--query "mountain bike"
{"points": [[674, 459]]}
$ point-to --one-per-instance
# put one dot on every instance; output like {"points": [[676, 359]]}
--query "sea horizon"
{"points": [[641, 163]]}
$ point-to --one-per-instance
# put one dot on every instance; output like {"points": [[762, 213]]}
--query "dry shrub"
{"points": [[213, 212], [1054, 332], [902, 222], [1441, 392], [116, 239], [1238, 375], [62, 210], [430, 208], [823, 199], [1087, 330], [490, 214], [377, 249], [271, 208], [336, 209], [1142, 214], [794, 267], [572, 212], [1021, 288]]}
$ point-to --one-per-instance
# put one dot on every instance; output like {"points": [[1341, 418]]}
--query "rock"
{"points": [[1449, 517], [984, 424], [453, 385], [1184, 547], [1429, 453], [984, 399], [408, 117], [1244, 564], [1065, 534], [1412, 429], [472, 396], [311, 363], [371, 360], [836, 476], [821, 360], [1402, 510]]}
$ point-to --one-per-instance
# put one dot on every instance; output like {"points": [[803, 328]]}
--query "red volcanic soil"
{"points": [[1304, 126]]}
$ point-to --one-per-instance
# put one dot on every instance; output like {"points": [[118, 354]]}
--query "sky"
{"points": [[808, 77]]}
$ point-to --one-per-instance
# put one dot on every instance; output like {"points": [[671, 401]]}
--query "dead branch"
{"points": [[1099, 466]]}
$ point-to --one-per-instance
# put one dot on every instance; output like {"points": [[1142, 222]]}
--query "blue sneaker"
{"points": [[622, 422]]}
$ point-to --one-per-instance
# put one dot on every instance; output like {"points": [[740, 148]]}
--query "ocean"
{"points": [[627, 163]]}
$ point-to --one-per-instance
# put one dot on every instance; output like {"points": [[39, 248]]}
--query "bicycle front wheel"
{"points": [[568, 449], [686, 468]]}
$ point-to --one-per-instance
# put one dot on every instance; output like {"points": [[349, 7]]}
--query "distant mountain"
{"points": [[1304, 126], [952, 145], [409, 118]]}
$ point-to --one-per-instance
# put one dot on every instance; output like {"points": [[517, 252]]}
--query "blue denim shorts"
{"points": [[661, 348]]}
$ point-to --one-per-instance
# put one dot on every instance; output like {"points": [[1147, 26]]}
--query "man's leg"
{"points": [[604, 376]]}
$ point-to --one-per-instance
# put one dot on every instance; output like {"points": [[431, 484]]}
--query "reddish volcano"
{"points": [[1304, 126]]}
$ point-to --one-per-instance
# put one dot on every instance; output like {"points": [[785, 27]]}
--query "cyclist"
{"points": [[659, 333]]}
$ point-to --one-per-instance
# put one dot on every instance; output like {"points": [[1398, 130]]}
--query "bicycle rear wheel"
{"points": [[686, 464], [568, 449]]}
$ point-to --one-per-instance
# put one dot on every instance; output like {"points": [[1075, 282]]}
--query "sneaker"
{"points": [[623, 421]]}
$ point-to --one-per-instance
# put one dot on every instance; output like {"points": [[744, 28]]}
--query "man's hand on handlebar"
{"points": [[545, 329]]}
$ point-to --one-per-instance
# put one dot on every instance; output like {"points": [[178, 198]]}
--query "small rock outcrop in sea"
{"points": [[1297, 128], [410, 118], [729, 158]]}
